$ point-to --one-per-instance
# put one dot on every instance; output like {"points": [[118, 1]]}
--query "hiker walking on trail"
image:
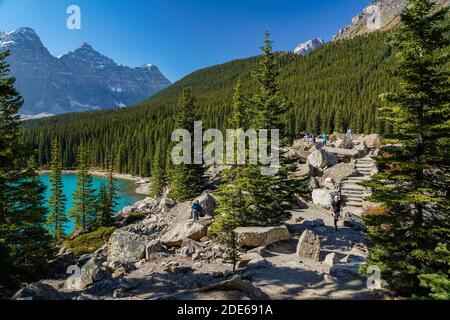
{"points": [[324, 139], [196, 210], [349, 134], [336, 204], [305, 136]]}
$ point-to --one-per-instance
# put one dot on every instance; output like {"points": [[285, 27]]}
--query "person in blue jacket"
{"points": [[196, 210], [324, 139]]}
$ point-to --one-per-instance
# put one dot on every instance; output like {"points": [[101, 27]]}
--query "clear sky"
{"points": [[179, 36]]}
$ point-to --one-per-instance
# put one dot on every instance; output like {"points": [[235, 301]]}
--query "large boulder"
{"points": [[295, 154], [331, 259], [208, 203], [320, 159], [125, 246], [343, 143], [372, 141], [343, 153], [339, 172], [93, 271], [303, 171], [301, 144], [309, 246], [38, 291], [166, 203], [261, 236], [317, 159], [152, 247], [183, 230], [323, 197], [145, 205]]}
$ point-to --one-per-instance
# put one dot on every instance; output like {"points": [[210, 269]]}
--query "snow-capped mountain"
{"points": [[306, 47], [378, 15], [80, 80]]}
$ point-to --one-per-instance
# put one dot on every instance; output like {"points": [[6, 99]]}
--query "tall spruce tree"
{"points": [[25, 244], [105, 210], [239, 116], [186, 180], [157, 179], [84, 202], [268, 105], [112, 188], [56, 218], [247, 197], [411, 239]]}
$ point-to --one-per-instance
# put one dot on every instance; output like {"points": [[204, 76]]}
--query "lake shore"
{"points": [[142, 184]]}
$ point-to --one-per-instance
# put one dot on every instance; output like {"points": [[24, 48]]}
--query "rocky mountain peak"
{"points": [[87, 55], [80, 80], [19, 36], [307, 47], [378, 15]]}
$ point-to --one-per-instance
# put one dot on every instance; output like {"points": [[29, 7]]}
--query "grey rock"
{"points": [[261, 236], [309, 246], [323, 197], [331, 259], [152, 247], [125, 246], [182, 230], [339, 172], [313, 223], [94, 271], [208, 203], [258, 264], [38, 291]]}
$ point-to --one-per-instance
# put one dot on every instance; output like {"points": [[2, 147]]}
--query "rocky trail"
{"points": [[353, 194], [163, 254]]}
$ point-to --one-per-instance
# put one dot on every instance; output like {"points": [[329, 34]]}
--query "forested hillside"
{"points": [[334, 88]]}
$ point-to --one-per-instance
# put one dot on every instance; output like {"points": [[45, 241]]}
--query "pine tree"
{"points": [[232, 253], [105, 209], [157, 179], [84, 204], [25, 244], [268, 106], [248, 198], [56, 218], [186, 180], [413, 182], [112, 189], [239, 115]]}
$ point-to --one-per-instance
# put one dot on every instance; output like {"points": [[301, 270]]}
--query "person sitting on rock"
{"points": [[196, 210], [336, 205]]}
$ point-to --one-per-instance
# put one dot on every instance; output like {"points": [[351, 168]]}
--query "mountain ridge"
{"points": [[379, 15], [80, 80]]}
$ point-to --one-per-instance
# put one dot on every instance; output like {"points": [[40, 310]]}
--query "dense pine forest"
{"points": [[334, 88]]}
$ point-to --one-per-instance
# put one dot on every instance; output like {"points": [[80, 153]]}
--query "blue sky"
{"points": [[179, 36]]}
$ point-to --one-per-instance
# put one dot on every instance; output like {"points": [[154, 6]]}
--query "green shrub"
{"points": [[134, 217], [90, 242]]}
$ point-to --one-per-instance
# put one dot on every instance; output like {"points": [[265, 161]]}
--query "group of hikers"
{"points": [[325, 137], [336, 208]]}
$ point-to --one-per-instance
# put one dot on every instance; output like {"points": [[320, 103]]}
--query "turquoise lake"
{"points": [[126, 192]]}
